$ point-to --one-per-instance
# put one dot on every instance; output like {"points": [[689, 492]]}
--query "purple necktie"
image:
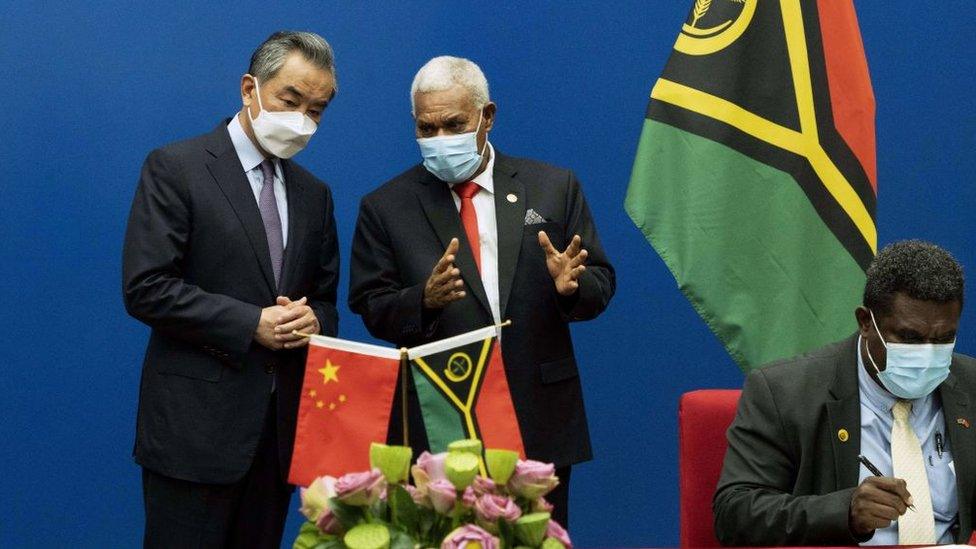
{"points": [[268, 205]]}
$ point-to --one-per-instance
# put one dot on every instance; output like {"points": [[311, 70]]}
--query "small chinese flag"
{"points": [[345, 405]]}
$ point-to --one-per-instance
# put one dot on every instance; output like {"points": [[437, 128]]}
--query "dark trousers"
{"points": [[248, 513], [559, 497]]}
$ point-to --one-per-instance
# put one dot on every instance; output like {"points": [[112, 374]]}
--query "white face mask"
{"points": [[281, 133]]}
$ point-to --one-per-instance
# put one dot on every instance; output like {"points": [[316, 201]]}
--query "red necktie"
{"points": [[469, 218]]}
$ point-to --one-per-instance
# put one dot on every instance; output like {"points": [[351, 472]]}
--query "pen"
{"points": [[874, 471]]}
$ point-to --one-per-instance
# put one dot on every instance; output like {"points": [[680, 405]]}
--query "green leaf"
{"points": [[400, 540], [506, 532], [427, 527], [310, 537], [348, 515], [404, 509]]}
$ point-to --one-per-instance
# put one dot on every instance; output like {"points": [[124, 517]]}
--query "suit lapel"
{"points": [[844, 413], [435, 199], [297, 221], [510, 220], [227, 172], [962, 442]]}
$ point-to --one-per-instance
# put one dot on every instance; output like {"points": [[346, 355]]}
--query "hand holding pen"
{"points": [[877, 501]]}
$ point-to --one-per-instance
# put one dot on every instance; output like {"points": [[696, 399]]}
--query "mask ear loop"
{"points": [[868, 347], [481, 117], [257, 93]]}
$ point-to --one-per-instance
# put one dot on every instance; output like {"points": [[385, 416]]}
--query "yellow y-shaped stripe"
{"points": [[805, 142], [467, 408]]}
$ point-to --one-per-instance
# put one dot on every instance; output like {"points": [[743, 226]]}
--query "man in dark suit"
{"points": [[230, 247], [472, 237], [894, 393]]}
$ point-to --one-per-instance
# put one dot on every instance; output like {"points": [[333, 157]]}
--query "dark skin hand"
{"points": [[876, 503], [567, 266], [444, 285]]}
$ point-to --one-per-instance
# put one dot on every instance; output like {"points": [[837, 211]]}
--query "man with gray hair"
{"points": [[471, 237], [230, 247], [867, 441]]}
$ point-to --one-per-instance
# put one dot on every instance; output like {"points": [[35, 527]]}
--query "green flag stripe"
{"points": [[442, 421], [730, 229]]}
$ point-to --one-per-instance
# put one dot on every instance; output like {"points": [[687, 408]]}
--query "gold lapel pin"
{"points": [[963, 421], [512, 198], [843, 435]]}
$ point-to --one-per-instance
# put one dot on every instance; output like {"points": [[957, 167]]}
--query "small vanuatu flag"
{"points": [[463, 391], [345, 405], [755, 177]]}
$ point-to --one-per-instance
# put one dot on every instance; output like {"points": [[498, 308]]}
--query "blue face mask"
{"points": [[452, 158], [912, 370]]}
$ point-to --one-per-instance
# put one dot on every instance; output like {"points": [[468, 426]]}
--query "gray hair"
{"points": [[918, 269], [268, 59], [444, 72]]}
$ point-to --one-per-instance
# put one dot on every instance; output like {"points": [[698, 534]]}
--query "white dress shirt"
{"points": [[928, 422], [484, 208], [251, 159]]}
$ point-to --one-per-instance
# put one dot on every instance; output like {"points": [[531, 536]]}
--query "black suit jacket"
{"points": [[197, 270], [788, 478], [404, 228]]}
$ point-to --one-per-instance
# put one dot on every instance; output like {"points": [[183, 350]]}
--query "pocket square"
{"points": [[533, 218]]}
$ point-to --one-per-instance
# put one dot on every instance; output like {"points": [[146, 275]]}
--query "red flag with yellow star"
{"points": [[345, 405]]}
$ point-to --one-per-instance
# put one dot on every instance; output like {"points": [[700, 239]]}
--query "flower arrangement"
{"points": [[450, 504]]}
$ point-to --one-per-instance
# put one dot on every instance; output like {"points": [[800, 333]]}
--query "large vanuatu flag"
{"points": [[345, 405], [464, 393], [755, 174]]}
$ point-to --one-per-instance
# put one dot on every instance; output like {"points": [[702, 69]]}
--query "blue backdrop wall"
{"points": [[88, 89]]}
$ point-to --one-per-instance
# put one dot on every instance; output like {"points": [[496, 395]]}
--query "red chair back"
{"points": [[703, 418]]}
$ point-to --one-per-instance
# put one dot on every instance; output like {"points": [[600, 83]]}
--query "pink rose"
{"points": [[470, 534], [482, 486], [533, 479], [329, 524], [541, 506], [419, 497], [361, 489], [429, 467], [490, 508], [469, 498], [558, 533], [442, 495], [315, 504]]}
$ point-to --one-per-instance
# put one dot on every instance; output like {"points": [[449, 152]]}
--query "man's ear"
{"points": [[489, 111], [864, 324], [247, 89]]}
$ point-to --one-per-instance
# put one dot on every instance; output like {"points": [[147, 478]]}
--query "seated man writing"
{"points": [[894, 393]]}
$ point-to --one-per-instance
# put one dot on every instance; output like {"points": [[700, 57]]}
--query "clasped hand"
{"points": [[279, 321]]}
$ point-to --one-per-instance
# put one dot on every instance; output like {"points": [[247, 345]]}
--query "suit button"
{"points": [[269, 368]]}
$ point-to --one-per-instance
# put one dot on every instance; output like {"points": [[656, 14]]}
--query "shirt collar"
{"points": [[881, 398], [249, 155], [486, 179]]}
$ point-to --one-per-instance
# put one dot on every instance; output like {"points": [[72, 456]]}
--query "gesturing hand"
{"points": [[876, 503], [444, 284], [565, 268]]}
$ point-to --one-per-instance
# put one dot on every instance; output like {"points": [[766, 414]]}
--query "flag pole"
{"points": [[404, 371]]}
